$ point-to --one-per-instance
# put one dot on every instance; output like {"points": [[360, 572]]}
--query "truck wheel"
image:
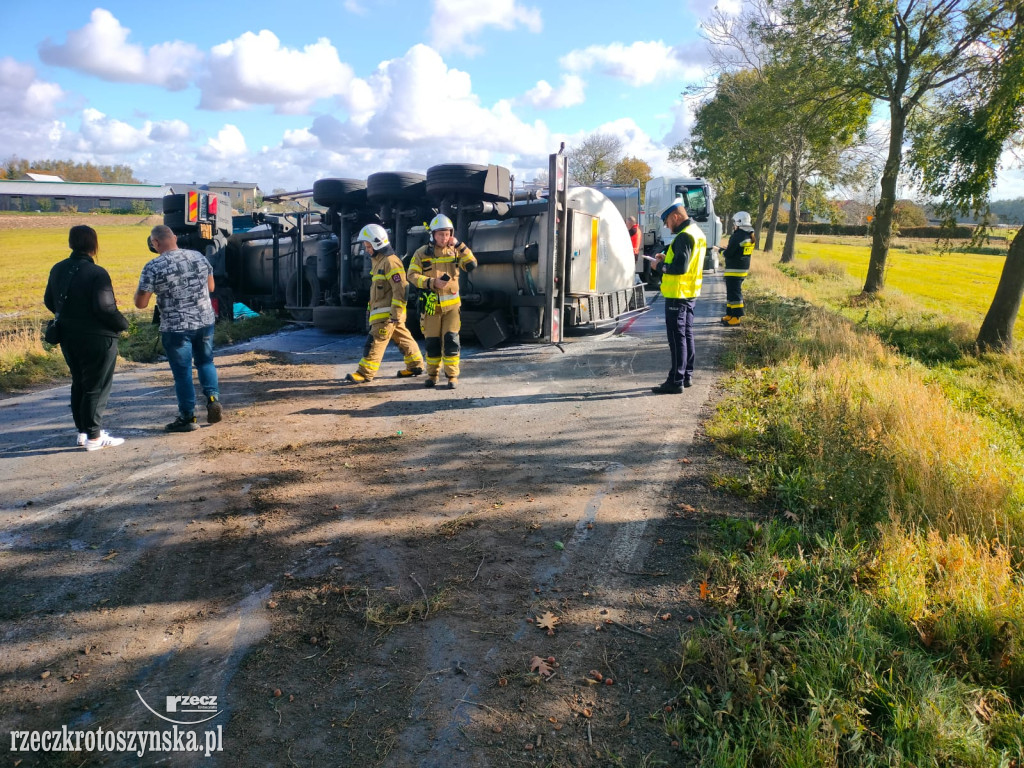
{"points": [[394, 186], [174, 203], [328, 192], [175, 220], [343, 319], [462, 179]]}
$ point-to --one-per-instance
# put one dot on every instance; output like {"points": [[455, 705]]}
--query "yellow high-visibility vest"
{"points": [[687, 285]]}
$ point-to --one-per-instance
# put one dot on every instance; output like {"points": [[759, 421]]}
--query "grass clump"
{"points": [[874, 617]]}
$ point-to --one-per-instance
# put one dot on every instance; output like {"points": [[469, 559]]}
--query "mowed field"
{"points": [[954, 284], [30, 246]]}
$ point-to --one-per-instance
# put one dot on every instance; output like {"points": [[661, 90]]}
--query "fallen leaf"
{"points": [[547, 621], [44, 674], [665, 616], [587, 712], [624, 721], [541, 667], [687, 507], [704, 590], [110, 555], [271, 603]]}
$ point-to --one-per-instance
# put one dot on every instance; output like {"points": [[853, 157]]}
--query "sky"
{"points": [[283, 95]]}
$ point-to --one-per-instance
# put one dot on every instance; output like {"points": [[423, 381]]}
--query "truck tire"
{"points": [[461, 179], [175, 220], [310, 294], [343, 319], [391, 185], [328, 192], [173, 203]]}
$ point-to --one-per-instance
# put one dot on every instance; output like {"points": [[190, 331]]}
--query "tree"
{"points": [[594, 160], [907, 213], [630, 169], [899, 52], [956, 155]]}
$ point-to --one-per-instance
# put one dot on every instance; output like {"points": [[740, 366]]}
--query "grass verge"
{"points": [[874, 615]]}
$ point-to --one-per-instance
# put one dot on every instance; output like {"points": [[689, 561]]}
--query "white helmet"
{"points": [[741, 219], [441, 222], [375, 235]]}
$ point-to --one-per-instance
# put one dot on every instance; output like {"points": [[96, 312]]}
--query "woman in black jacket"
{"points": [[90, 323]]}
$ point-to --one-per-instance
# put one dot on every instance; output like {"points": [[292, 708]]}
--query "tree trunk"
{"points": [[882, 225], [790, 249], [996, 334], [762, 208], [769, 243]]}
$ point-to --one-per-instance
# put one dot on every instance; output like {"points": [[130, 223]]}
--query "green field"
{"points": [[954, 284], [26, 256]]}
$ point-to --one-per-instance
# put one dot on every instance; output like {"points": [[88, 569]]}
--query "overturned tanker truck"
{"points": [[547, 265]]}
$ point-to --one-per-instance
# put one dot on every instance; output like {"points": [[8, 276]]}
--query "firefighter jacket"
{"points": [[738, 252], [387, 291], [683, 268], [430, 261]]}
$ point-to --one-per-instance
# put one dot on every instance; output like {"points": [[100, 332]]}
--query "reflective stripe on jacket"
{"points": [[685, 283]]}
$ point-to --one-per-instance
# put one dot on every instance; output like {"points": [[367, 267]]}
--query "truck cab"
{"points": [[699, 198]]}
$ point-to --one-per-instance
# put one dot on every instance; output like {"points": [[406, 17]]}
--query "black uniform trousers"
{"points": [[679, 325], [734, 296], [91, 358]]}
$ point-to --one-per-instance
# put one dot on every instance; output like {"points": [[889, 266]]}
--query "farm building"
{"points": [[59, 195]]}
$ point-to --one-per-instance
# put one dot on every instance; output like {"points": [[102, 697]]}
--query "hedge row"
{"points": [[934, 233]]}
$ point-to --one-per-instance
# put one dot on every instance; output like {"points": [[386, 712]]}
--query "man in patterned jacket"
{"points": [[387, 309], [182, 281]]}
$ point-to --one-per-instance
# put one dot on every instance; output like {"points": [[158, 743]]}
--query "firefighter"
{"points": [[681, 270], [386, 309], [737, 266], [434, 269]]}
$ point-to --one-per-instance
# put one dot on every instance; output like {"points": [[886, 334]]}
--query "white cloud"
{"points": [[640, 63], [454, 20], [545, 96], [228, 144], [22, 95], [100, 48], [255, 69], [354, 6], [405, 117], [168, 131]]}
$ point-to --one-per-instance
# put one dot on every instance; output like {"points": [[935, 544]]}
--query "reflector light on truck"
{"points": [[192, 211]]}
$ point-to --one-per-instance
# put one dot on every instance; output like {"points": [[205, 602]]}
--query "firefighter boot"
{"points": [[356, 378], [431, 381], [453, 383], [407, 373], [733, 321]]}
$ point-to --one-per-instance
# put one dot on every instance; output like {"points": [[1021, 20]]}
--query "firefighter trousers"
{"points": [[733, 296], [377, 341], [441, 338]]}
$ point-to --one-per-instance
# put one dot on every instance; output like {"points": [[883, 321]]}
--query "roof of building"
{"points": [[235, 184], [80, 189], [42, 177]]}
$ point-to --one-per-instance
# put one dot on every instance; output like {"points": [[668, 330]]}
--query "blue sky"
{"points": [[285, 94]]}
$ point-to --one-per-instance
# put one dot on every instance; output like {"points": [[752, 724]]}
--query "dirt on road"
{"points": [[368, 575]]}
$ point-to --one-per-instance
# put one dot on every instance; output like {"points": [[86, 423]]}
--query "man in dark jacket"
{"points": [[90, 323]]}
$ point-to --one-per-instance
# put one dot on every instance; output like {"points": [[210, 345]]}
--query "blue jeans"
{"points": [[181, 348]]}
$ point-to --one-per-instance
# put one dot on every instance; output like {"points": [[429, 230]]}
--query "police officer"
{"points": [[681, 267], [386, 307], [737, 266], [434, 269]]}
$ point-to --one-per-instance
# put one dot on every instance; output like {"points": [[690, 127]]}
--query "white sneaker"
{"points": [[82, 437], [103, 441]]}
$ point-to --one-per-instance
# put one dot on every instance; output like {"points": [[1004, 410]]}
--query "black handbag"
{"points": [[51, 335]]}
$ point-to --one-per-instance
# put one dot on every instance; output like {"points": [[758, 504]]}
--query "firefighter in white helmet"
{"points": [[434, 269], [386, 308], [737, 266]]}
